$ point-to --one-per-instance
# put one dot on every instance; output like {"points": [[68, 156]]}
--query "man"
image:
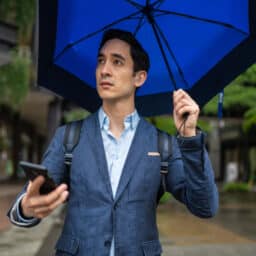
{"points": [[115, 173]]}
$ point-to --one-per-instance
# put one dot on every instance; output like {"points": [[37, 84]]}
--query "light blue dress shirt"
{"points": [[116, 150]]}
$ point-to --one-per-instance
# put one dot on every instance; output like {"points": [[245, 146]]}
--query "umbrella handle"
{"points": [[185, 115]]}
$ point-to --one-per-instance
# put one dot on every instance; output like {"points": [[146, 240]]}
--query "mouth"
{"points": [[105, 84]]}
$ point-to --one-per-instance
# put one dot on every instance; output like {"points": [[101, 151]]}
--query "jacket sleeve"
{"points": [[191, 178], [53, 160], [16, 217]]}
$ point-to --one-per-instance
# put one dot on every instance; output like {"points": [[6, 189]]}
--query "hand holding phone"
{"points": [[32, 171]]}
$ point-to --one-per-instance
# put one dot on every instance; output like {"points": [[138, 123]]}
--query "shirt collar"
{"points": [[130, 122]]}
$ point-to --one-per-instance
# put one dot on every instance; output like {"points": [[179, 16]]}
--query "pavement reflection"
{"points": [[232, 232]]}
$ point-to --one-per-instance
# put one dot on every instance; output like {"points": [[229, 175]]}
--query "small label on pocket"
{"points": [[153, 154]]}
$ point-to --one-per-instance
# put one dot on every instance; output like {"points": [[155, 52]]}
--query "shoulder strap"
{"points": [[165, 150], [71, 139]]}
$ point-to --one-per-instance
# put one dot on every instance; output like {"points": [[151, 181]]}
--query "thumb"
{"points": [[34, 186]]}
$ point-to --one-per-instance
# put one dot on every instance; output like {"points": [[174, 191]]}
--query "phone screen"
{"points": [[32, 170]]}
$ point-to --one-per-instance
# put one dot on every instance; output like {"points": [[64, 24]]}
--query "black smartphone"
{"points": [[33, 170]]}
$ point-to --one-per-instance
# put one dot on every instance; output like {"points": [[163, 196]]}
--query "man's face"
{"points": [[115, 77]]}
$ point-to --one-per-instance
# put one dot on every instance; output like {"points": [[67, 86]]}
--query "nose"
{"points": [[105, 69]]}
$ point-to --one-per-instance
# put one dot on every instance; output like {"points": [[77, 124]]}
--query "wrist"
{"points": [[188, 132], [194, 133]]}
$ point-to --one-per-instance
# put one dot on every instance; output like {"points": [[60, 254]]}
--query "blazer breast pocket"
{"points": [[152, 174]]}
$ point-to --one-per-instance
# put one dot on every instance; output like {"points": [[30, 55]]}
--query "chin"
{"points": [[105, 96]]}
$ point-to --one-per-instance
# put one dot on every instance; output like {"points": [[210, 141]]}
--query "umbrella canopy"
{"points": [[199, 46]]}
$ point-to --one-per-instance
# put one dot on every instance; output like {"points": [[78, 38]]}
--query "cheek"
{"points": [[127, 78], [97, 73]]}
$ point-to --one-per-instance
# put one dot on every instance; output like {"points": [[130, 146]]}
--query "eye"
{"points": [[118, 62], [100, 60]]}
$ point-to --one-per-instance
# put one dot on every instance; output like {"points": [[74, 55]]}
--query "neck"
{"points": [[117, 113]]}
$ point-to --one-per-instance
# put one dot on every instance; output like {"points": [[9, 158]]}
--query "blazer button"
{"points": [[107, 243]]}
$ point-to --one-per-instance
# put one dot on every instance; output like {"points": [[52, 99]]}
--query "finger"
{"points": [[42, 215], [178, 96], [186, 101], [182, 102], [181, 94], [34, 186], [46, 200], [42, 210]]}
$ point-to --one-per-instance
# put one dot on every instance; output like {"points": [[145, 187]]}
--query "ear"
{"points": [[139, 78]]}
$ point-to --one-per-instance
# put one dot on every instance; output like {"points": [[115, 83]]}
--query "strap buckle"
{"points": [[68, 158], [164, 167]]}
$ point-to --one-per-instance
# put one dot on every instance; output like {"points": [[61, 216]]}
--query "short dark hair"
{"points": [[139, 55]]}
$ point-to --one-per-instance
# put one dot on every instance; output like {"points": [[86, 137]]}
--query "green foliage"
{"points": [[235, 96], [249, 119], [75, 114], [4, 143], [248, 77], [236, 187], [166, 123], [14, 80], [20, 13], [205, 126], [165, 198], [239, 96], [15, 76]]}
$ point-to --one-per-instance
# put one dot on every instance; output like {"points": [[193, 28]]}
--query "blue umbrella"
{"points": [[199, 46]]}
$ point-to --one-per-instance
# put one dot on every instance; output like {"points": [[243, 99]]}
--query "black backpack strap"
{"points": [[165, 150], [71, 139]]}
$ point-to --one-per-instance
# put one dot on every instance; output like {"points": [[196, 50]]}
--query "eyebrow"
{"points": [[116, 55]]}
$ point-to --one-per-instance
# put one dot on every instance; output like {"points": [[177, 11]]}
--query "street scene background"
{"points": [[29, 116]]}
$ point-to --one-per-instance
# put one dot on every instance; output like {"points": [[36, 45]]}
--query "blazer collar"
{"points": [[137, 149], [92, 128]]}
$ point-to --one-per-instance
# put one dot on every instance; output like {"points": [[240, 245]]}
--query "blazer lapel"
{"points": [[137, 150], [92, 129]]}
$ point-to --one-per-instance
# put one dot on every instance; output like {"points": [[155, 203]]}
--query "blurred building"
{"points": [[24, 133], [232, 151]]}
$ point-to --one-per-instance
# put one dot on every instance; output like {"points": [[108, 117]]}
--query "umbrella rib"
{"points": [[171, 52], [94, 33], [138, 6], [157, 2], [140, 24], [164, 12], [164, 56]]}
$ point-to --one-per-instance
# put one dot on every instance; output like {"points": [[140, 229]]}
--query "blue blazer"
{"points": [[93, 216]]}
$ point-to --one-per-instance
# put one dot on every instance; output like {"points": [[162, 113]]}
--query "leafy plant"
{"points": [[249, 119], [166, 123], [236, 187], [165, 198], [75, 114], [22, 14], [14, 80], [239, 98]]}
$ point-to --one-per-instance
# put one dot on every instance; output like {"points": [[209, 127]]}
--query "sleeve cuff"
{"points": [[194, 142], [16, 217]]}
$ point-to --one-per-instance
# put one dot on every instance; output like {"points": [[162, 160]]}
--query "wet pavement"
{"points": [[8, 192], [231, 232]]}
